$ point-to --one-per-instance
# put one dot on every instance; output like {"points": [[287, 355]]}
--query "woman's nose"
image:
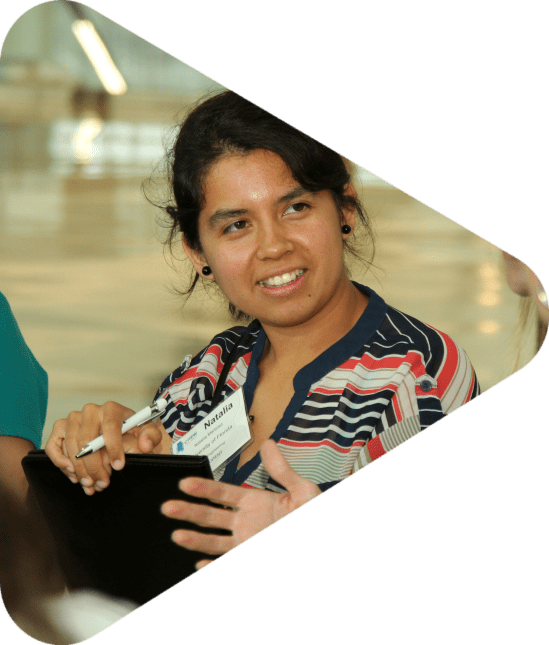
{"points": [[273, 242]]}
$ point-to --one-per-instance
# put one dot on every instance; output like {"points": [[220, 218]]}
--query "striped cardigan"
{"points": [[386, 380]]}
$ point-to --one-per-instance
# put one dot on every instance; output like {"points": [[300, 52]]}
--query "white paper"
{"points": [[221, 435]]}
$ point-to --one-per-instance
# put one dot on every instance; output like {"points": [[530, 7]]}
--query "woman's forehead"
{"points": [[259, 174], [242, 162]]}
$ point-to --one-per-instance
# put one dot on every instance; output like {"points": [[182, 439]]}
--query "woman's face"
{"points": [[275, 249]]}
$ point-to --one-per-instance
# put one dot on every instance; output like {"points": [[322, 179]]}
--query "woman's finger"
{"points": [[204, 542], [279, 469], [113, 416], [130, 444], [106, 462], [217, 492], [55, 447], [199, 514], [56, 450], [90, 427], [72, 446], [149, 436], [201, 564]]}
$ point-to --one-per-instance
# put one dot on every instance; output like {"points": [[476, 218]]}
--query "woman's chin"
{"points": [[285, 316]]}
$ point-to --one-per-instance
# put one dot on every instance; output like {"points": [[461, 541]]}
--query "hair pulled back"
{"points": [[229, 124]]}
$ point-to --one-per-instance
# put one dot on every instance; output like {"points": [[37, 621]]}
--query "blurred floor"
{"points": [[89, 282]]}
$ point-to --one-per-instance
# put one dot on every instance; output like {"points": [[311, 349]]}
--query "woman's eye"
{"points": [[236, 226], [297, 208]]}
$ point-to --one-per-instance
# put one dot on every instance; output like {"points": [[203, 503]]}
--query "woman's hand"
{"points": [[93, 472], [250, 511]]}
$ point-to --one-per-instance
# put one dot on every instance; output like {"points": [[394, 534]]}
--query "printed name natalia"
{"points": [[218, 415]]}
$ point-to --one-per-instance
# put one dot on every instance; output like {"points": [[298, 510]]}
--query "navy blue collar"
{"points": [[334, 356], [350, 345]]}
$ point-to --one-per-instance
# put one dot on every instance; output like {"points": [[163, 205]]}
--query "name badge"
{"points": [[222, 435]]}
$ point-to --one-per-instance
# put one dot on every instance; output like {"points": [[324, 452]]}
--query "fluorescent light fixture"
{"points": [[99, 56], [82, 142]]}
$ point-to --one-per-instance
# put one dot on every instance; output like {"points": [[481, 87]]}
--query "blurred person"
{"points": [[333, 377], [25, 569], [23, 401], [31, 583], [524, 282]]}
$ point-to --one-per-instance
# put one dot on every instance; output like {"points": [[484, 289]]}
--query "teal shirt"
{"points": [[23, 383]]}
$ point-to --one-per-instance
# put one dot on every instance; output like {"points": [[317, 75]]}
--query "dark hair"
{"points": [[227, 123]]}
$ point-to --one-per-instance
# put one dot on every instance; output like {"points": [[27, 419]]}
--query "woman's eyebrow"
{"points": [[226, 213], [298, 191]]}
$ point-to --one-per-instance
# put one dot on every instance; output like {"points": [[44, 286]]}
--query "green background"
{"points": [[443, 541]]}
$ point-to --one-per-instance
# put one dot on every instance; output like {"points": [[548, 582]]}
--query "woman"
{"points": [[524, 282], [331, 373]]}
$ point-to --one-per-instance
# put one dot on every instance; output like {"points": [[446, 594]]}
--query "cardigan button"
{"points": [[426, 385]]}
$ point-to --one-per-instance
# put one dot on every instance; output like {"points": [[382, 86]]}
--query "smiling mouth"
{"points": [[282, 280]]}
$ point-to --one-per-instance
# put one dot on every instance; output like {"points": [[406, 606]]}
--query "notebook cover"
{"points": [[117, 541]]}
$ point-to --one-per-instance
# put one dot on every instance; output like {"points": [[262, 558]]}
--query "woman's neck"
{"points": [[291, 348]]}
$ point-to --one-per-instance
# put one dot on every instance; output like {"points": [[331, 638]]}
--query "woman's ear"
{"points": [[349, 212], [196, 257]]}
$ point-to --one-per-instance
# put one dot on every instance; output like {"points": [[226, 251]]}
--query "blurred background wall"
{"points": [[81, 260]]}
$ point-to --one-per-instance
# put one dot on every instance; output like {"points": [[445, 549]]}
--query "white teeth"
{"points": [[286, 278]]}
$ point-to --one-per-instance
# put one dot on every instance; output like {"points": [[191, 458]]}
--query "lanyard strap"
{"points": [[254, 326]]}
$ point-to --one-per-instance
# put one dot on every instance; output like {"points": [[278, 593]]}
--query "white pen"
{"points": [[139, 418]]}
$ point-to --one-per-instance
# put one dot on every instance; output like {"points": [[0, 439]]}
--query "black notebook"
{"points": [[117, 541]]}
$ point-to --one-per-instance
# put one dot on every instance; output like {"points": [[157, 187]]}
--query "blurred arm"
{"points": [[12, 451]]}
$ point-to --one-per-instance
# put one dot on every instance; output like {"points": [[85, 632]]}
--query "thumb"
{"points": [[149, 437], [279, 469]]}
